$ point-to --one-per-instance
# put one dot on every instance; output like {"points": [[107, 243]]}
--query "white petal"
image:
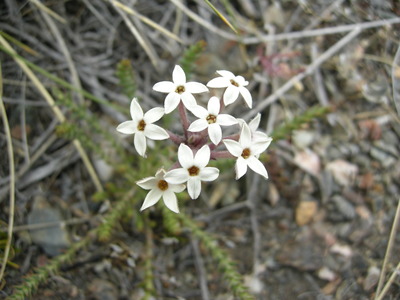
{"points": [[198, 125], [195, 87], [171, 102], [136, 110], [194, 187], [215, 133], [231, 94], [151, 198], [155, 132], [170, 201], [185, 156], [233, 147], [178, 76], [165, 87], [140, 143], [200, 112], [240, 167], [257, 166], [226, 120], [177, 176], [241, 81], [226, 74], [245, 136], [209, 174], [153, 115], [219, 82], [202, 157], [260, 136], [213, 106], [259, 146], [176, 188], [246, 95], [189, 101], [255, 123], [127, 127], [147, 183]]}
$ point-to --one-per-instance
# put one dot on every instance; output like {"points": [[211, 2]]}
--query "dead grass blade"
{"points": [[10, 151], [60, 116], [49, 11], [147, 21], [221, 16], [379, 292], [147, 47]]}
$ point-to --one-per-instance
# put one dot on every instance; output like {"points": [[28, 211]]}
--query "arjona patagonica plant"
{"points": [[202, 138]]}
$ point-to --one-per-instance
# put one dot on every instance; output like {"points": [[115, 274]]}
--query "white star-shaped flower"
{"points": [[257, 136], [247, 153], [179, 90], [160, 188], [211, 118], [193, 169], [234, 85], [142, 126]]}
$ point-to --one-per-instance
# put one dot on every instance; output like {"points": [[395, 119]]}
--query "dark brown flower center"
{"points": [[246, 153], [193, 171], [162, 185], [180, 89], [211, 119], [141, 125], [233, 82]]}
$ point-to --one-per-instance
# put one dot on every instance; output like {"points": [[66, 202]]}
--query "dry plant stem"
{"points": [[392, 238], [12, 180], [147, 21], [395, 273], [141, 40], [310, 69], [205, 295], [60, 116], [184, 118], [396, 80], [50, 224], [252, 205], [318, 32], [202, 22], [49, 11], [64, 49]]}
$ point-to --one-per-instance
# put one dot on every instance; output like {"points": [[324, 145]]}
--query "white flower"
{"points": [[211, 118], [234, 85], [142, 126], [160, 188], [193, 169], [247, 153], [257, 136], [179, 90]]}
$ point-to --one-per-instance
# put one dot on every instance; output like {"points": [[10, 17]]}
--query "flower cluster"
{"points": [[202, 137]]}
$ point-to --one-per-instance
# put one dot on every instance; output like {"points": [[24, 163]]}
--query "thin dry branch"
{"points": [[299, 77]]}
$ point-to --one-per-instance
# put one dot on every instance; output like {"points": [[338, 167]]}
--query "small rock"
{"points": [[326, 274], [343, 172], [303, 138], [53, 239], [340, 209], [305, 212], [372, 278]]}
